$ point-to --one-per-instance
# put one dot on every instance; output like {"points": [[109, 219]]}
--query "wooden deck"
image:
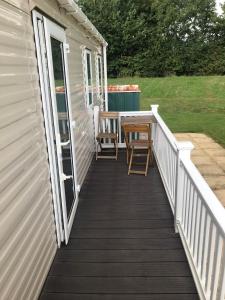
{"points": [[123, 245]]}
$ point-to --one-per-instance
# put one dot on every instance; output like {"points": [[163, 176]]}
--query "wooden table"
{"points": [[137, 120]]}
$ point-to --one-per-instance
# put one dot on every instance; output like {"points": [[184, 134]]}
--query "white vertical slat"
{"points": [[114, 126], [197, 228], [206, 244], [191, 215], [194, 221], [201, 235], [120, 130], [221, 283], [210, 259], [186, 199], [216, 267]]}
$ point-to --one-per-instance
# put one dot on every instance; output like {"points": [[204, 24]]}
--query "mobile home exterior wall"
{"points": [[27, 226], [27, 230], [78, 39]]}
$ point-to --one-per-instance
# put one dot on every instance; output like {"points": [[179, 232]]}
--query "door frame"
{"points": [[43, 32]]}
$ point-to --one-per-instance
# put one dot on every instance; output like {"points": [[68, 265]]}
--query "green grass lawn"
{"points": [[187, 104]]}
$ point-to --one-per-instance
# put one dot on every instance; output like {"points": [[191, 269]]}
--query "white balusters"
{"points": [[199, 217]]}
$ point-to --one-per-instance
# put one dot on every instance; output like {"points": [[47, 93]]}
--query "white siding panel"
{"points": [[27, 230]]}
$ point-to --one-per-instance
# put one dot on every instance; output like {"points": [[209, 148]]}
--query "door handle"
{"points": [[65, 177], [65, 143]]}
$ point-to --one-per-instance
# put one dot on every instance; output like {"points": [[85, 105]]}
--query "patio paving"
{"points": [[209, 158]]}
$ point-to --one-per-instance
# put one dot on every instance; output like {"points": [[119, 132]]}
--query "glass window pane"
{"points": [[89, 79], [100, 74]]}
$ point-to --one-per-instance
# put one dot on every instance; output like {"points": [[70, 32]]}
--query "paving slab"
{"points": [[221, 195], [209, 170], [209, 157], [198, 152], [202, 160], [197, 135], [215, 182], [216, 152]]}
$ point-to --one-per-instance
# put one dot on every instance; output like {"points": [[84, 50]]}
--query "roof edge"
{"points": [[73, 9]]}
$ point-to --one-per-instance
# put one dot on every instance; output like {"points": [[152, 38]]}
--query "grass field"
{"points": [[187, 104]]}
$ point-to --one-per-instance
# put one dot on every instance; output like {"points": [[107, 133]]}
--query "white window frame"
{"points": [[88, 88], [99, 77]]}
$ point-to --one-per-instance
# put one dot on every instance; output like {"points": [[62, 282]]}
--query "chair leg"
{"points": [[127, 156], [151, 156], [96, 151], [131, 160], [116, 149], [147, 162]]}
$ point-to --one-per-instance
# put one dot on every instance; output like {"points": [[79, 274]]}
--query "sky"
{"points": [[218, 8]]}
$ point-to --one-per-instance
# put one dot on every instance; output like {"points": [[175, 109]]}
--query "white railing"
{"points": [[165, 151], [201, 224], [199, 216], [121, 142]]}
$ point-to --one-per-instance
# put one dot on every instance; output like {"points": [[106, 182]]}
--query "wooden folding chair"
{"points": [[134, 134], [107, 132]]}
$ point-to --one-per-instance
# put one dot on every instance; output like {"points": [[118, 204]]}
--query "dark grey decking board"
{"points": [[123, 244]]}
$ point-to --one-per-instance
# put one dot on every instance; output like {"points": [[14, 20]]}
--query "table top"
{"points": [[137, 120]]}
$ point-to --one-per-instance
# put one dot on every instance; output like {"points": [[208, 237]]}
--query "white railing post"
{"points": [[154, 109], [183, 151]]}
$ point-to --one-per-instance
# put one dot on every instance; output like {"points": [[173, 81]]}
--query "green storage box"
{"points": [[124, 98], [61, 104]]}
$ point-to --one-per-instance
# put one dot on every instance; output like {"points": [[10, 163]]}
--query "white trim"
{"points": [[55, 31], [49, 134], [99, 78], [73, 9], [45, 31], [105, 77], [72, 133]]}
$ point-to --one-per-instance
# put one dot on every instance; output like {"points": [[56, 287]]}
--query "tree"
{"points": [[160, 37]]}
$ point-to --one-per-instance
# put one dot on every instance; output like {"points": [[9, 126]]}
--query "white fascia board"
{"points": [[72, 8]]}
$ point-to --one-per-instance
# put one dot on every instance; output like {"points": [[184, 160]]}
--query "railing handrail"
{"points": [[135, 113], [210, 200]]}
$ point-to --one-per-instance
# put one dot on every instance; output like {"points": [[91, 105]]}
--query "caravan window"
{"points": [[88, 78], [100, 75]]}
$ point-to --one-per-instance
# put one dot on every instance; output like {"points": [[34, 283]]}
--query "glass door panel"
{"points": [[63, 122]]}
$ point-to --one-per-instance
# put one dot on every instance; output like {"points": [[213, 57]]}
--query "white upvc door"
{"points": [[52, 51]]}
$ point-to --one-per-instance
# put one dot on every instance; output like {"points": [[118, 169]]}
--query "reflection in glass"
{"points": [[100, 75], [89, 78], [63, 121]]}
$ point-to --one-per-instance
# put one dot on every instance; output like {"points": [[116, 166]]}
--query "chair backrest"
{"points": [[108, 121], [135, 131]]}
